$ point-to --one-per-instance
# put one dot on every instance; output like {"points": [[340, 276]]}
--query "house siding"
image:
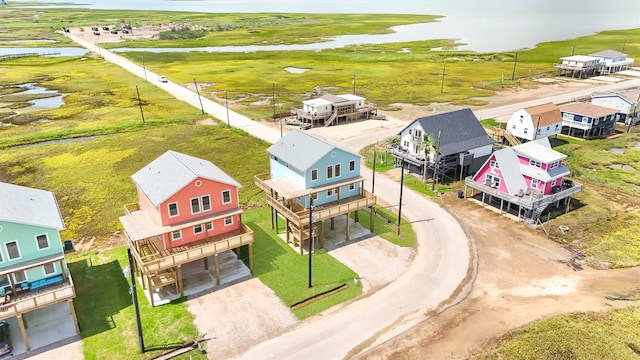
{"points": [[281, 170], [333, 158], [188, 236], [183, 197]]}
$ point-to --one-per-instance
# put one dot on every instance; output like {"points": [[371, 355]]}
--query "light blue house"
{"points": [[307, 169], [33, 270]]}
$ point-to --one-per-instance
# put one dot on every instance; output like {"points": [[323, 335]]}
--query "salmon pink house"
{"points": [[187, 210], [530, 176]]}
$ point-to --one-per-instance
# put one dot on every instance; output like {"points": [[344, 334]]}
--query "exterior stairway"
{"points": [[329, 121]]}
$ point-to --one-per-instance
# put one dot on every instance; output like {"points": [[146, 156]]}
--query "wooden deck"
{"points": [[36, 299]]}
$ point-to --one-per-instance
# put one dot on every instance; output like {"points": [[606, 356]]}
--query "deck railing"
{"points": [[530, 201], [196, 253], [28, 302]]}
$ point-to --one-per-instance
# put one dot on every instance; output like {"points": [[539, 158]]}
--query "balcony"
{"points": [[25, 302]]}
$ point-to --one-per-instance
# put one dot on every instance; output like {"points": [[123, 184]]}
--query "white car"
{"points": [[163, 79]]}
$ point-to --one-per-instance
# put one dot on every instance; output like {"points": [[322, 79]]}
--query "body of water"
{"points": [[487, 25], [54, 51]]}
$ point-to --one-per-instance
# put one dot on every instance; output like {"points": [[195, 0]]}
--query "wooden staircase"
{"points": [[329, 121]]}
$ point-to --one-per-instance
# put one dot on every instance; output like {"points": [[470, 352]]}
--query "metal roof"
{"points": [[172, 171], [588, 109], [580, 58], [302, 150], [29, 206], [608, 53], [459, 131], [510, 170], [540, 150]]}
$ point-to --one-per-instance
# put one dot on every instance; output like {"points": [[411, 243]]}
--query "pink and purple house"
{"points": [[530, 176], [187, 210]]}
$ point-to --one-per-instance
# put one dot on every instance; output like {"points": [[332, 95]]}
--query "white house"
{"points": [[625, 102], [535, 122], [613, 61], [578, 65]]}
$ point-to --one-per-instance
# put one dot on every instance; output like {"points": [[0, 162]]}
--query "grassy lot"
{"points": [[106, 315], [283, 270], [91, 179], [594, 335]]}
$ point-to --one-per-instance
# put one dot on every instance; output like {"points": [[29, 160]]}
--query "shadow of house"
{"points": [[102, 291]]}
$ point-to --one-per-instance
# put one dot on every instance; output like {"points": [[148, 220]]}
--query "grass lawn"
{"points": [[106, 314], [283, 270], [593, 335]]}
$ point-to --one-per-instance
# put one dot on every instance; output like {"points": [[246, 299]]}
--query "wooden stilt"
{"points": [[501, 203], [356, 215], [217, 265], [23, 331], [179, 282], [151, 296], [286, 229], [372, 220], [483, 199], [251, 258], [276, 222], [74, 316], [206, 263], [333, 224], [347, 226], [566, 210], [321, 233]]}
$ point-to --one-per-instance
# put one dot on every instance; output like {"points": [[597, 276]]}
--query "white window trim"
{"points": [[332, 174], [179, 235], [535, 163], [494, 164], [554, 164], [199, 205], [208, 226], [352, 187], [202, 209], [230, 222], [330, 193], [44, 269], [535, 186], [230, 197], [311, 174], [17, 247], [198, 232], [26, 278], [354, 165], [169, 209], [38, 244]]}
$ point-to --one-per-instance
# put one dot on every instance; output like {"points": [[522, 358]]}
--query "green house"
{"points": [[33, 270]]}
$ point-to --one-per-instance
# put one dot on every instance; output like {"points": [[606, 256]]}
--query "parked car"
{"points": [[5, 339], [163, 79]]}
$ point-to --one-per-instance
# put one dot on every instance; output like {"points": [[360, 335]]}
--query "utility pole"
{"points": [[273, 96], [515, 61], [134, 294], [226, 103], [140, 104], [573, 49], [400, 204], [198, 91], [435, 164], [373, 179], [354, 84], [311, 236], [144, 69], [624, 43], [444, 66]]}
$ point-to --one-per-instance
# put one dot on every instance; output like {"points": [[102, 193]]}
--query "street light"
{"points": [[134, 294], [311, 218], [400, 205]]}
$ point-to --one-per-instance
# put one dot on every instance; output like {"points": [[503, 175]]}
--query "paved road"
{"points": [[556, 99], [440, 266]]}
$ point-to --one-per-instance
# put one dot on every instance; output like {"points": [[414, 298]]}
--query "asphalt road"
{"points": [[440, 267]]}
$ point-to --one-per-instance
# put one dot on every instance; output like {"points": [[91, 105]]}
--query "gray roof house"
{"points": [[459, 138]]}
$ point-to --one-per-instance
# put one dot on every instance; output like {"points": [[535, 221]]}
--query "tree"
{"points": [[427, 145]]}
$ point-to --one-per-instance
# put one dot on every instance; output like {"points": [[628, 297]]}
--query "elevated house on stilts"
{"points": [[187, 211], [311, 183]]}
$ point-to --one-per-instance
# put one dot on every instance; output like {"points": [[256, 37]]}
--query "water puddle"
{"points": [[295, 70], [622, 166], [70, 140], [617, 151], [47, 41], [53, 100]]}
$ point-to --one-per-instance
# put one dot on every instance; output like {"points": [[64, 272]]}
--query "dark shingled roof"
{"points": [[459, 131]]}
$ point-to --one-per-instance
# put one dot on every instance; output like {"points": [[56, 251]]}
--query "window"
{"points": [[352, 165], [206, 203], [228, 220], [554, 164], [513, 126], [526, 130], [226, 196], [176, 235], [49, 269], [535, 163], [42, 241], [208, 226], [547, 128], [352, 187], [197, 229], [19, 277], [337, 170], [521, 118], [492, 180], [314, 196], [557, 126], [417, 135], [195, 205], [494, 164], [314, 174], [173, 209], [329, 172], [12, 250], [534, 183], [329, 192]]}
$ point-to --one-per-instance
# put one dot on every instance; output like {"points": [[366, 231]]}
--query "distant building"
{"points": [[535, 122], [331, 109], [625, 102], [613, 61], [187, 210], [600, 63], [587, 121], [306, 172]]}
